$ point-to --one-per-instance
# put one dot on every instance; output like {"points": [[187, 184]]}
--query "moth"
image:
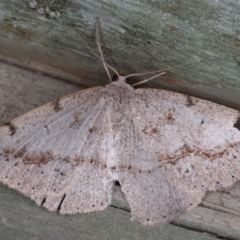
{"points": [[166, 150]]}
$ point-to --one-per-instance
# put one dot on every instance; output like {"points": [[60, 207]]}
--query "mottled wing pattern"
{"points": [[174, 149], [56, 154]]}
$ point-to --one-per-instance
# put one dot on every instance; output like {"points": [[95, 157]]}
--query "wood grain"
{"points": [[137, 36]]}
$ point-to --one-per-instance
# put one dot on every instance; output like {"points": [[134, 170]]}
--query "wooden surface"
{"points": [[136, 35], [20, 218]]}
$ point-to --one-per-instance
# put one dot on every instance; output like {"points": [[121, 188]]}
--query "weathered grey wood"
{"points": [[235, 190], [138, 36], [219, 223], [21, 218], [22, 91], [224, 202]]}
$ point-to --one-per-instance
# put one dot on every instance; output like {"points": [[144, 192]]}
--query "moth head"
{"points": [[121, 77]]}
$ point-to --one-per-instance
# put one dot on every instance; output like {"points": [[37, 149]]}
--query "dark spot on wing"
{"points": [[66, 159], [129, 167], [154, 130], [91, 130], [150, 130], [12, 128], [7, 151], [47, 129], [75, 121], [20, 153], [189, 101], [79, 159], [145, 130], [170, 118], [202, 122], [103, 166], [56, 105]]}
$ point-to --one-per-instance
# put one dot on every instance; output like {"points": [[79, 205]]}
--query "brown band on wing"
{"points": [[44, 157], [187, 150], [12, 128]]}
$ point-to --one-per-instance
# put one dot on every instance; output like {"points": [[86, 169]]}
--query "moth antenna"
{"points": [[100, 51], [144, 73], [148, 79], [160, 72], [106, 65]]}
